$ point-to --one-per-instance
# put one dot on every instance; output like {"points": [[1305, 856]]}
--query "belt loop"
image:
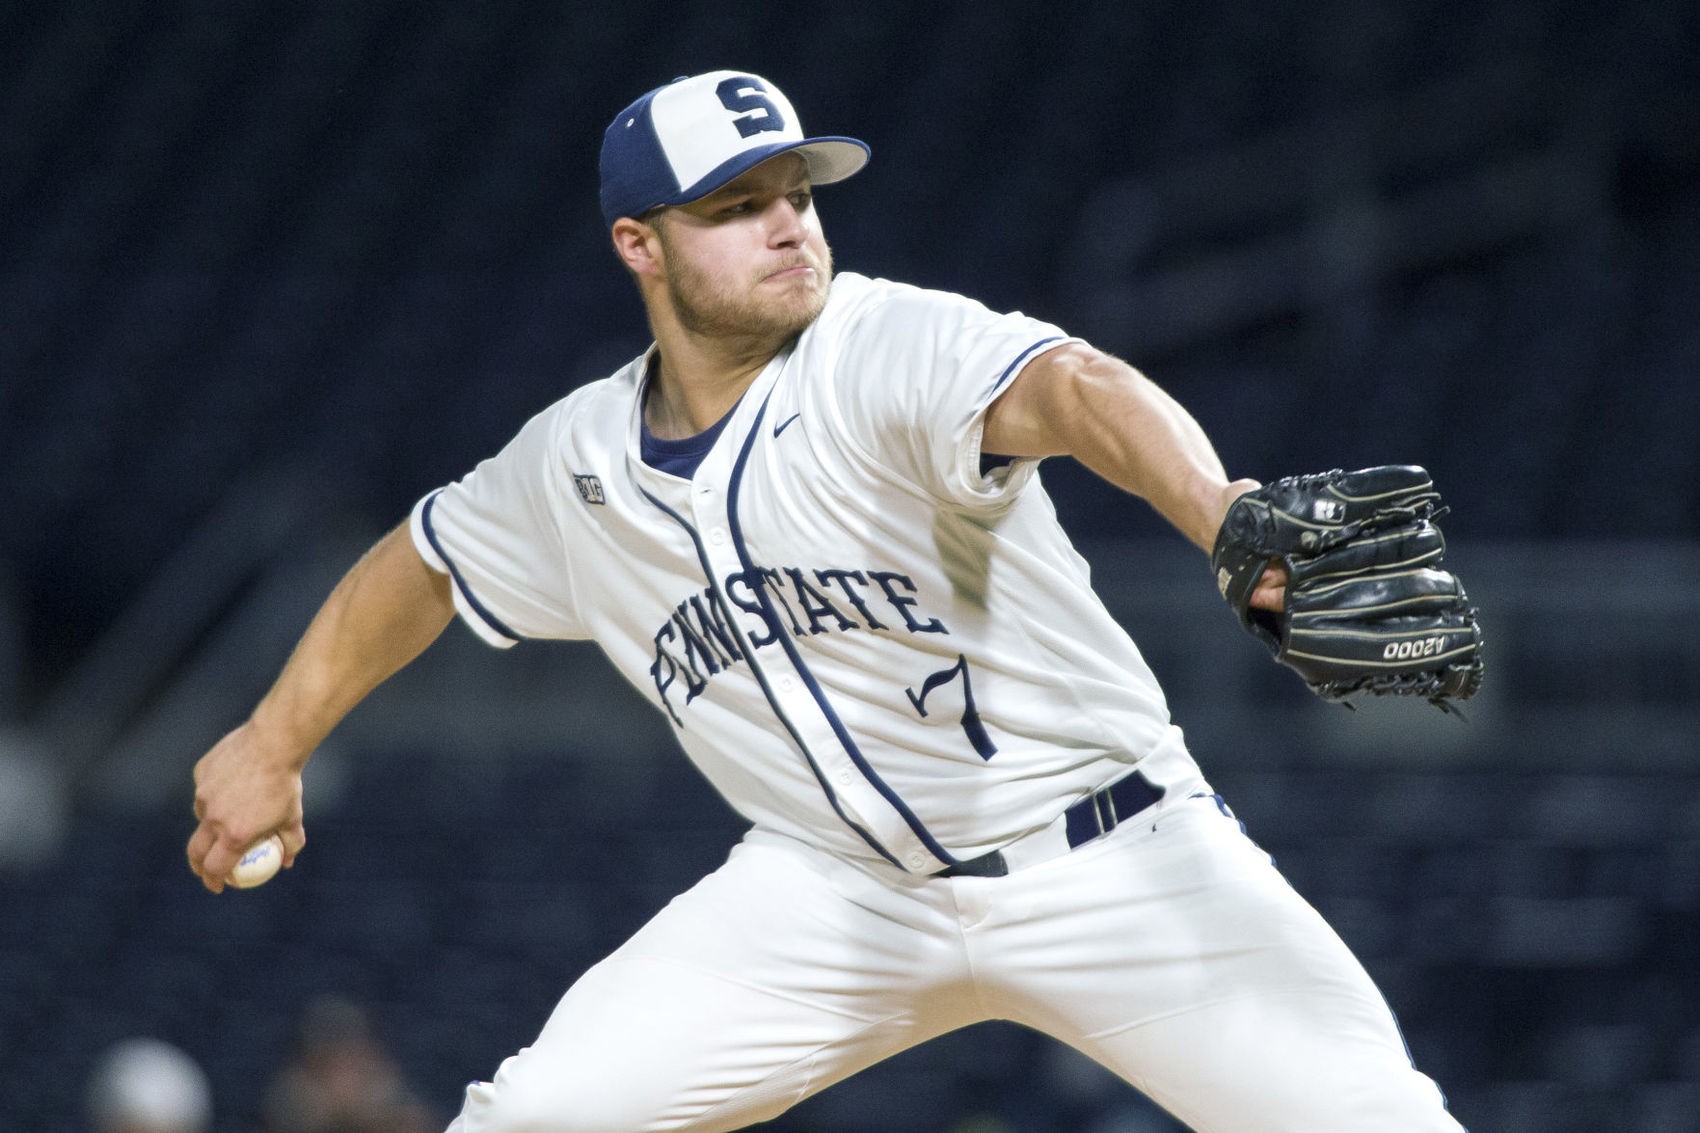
{"points": [[1098, 813], [1104, 809]]}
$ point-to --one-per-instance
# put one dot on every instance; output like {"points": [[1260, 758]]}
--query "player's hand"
{"points": [[244, 790], [1271, 590]]}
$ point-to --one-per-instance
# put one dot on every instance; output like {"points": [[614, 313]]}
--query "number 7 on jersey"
{"points": [[971, 725]]}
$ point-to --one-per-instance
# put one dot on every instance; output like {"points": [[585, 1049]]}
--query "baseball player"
{"points": [[807, 524]]}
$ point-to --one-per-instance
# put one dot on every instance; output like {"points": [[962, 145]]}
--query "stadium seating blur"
{"points": [[268, 272]]}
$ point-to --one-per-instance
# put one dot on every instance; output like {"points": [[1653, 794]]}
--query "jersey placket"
{"points": [[792, 692]]}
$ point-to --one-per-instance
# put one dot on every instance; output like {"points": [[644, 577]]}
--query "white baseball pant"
{"points": [[1170, 950]]}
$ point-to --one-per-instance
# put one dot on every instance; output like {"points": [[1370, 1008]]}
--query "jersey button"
{"points": [[717, 536], [844, 776], [917, 860]]}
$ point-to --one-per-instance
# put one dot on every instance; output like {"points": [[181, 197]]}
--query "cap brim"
{"points": [[829, 159], [833, 159]]}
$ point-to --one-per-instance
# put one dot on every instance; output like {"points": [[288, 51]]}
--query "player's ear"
{"points": [[638, 245]]}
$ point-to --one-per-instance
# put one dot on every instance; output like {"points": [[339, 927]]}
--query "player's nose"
{"points": [[786, 227]]}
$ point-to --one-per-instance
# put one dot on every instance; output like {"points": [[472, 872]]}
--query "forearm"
{"points": [[1133, 434], [384, 613], [1123, 427]]}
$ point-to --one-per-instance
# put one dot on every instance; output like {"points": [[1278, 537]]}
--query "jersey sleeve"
{"points": [[496, 532], [916, 373]]}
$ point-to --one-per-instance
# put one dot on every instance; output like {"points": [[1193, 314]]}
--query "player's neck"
{"points": [[694, 382]]}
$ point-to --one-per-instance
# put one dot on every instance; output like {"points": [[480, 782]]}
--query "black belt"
{"points": [[1092, 817]]}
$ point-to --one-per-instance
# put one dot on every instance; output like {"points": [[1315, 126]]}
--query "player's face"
{"points": [[749, 259]]}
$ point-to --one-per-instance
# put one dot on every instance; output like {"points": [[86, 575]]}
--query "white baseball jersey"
{"points": [[862, 641], [880, 655]]}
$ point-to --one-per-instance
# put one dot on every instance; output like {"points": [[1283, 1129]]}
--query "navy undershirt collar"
{"points": [[676, 458], [680, 458]]}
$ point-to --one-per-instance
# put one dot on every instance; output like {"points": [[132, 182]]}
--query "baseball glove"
{"points": [[1367, 609]]}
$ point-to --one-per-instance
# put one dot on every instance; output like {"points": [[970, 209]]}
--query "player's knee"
{"points": [[503, 1109], [532, 1098], [1386, 1095]]}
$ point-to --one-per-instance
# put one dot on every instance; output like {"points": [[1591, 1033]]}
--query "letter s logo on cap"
{"points": [[744, 95]]}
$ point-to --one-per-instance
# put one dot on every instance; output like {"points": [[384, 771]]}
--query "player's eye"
{"points": [[801, 199]]}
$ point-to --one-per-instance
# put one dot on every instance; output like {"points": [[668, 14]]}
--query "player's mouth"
{"points": [[791, 271]]}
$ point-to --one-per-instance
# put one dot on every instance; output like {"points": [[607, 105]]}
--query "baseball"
{"points": [[257, 865]]}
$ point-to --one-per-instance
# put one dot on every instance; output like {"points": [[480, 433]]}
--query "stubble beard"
{"points": [[714, 307]]}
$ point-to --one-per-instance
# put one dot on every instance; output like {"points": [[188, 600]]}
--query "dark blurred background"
{"points": [[269, 272]]}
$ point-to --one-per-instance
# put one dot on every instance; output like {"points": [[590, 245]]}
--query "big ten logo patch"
{"points": [[589, 489]]}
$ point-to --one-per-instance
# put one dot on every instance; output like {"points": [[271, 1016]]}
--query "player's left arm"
{"points": [[1078, 401]]}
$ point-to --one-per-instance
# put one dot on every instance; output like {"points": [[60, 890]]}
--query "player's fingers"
{"points": [[294, 838], [200, 848], [220, 859], [199, 843], [1271, 591]]}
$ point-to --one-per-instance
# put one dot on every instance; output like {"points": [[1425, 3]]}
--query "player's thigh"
{"points": [[1187, 964], [1278, 1062], [769, 980]]}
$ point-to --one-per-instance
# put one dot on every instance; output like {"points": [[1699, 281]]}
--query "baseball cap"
{"points": [[684, 140]]}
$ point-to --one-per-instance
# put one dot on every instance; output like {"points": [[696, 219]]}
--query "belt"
{"points": [[1092, 817]]}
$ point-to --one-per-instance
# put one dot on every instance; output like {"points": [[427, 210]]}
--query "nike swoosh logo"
{"points": [[785, 424]]}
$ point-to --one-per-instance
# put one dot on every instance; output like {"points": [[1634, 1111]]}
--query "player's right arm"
{"points": [[384, 613]]}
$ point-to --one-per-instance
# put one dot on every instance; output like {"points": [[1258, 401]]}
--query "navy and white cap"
{"points": [[688, 138]]}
